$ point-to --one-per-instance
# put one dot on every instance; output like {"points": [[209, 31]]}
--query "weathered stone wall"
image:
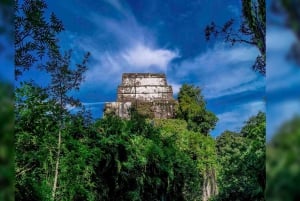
{"points": [[144, 87], [148, 92]]}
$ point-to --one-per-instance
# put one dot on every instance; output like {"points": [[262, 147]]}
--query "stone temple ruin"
{"points": [[149, 93]]}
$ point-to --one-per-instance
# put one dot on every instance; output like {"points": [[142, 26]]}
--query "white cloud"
{"points": [[109, 66], [130, 47], [117, 5], [223, 70], [93, 103], [141, 56], [224, 54], [69, 107], [279, 39], [234, 119], [280, 112], [175, 87], [279, 42], [124, 31]]}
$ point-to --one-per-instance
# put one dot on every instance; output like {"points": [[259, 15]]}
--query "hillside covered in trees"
{"points": [[63, 155]]}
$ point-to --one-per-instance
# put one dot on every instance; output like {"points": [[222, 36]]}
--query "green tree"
{"points": [[201, 151], [6, 142], [37, 122], [53, 147], [255, 131], [290, 17], [35, 128], [144, 159], [35, 36], [134, 164], [242, 161], [64, 79], [282, 163], [192, 108], [231, 181], [251, 31], [77, 160]]}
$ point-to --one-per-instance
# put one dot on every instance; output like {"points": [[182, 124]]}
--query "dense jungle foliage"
{"points": [[134, 159], [282, 163]]}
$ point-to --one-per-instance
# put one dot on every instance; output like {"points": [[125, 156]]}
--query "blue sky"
{"points": [[165, 37], [283, 84], [282, 80], [160, 37]]}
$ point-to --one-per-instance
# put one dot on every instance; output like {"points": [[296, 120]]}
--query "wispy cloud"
{"points": [[108, 66], [117, 5], [280, 112], [223, 70], [279, 42], [93, 103], [282, 79], [234, 119], [127, 47], [279, 39], [175, 87]]}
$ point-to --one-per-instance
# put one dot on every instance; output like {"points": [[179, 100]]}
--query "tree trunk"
{"points": [[209, 186], [56, 166]]}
